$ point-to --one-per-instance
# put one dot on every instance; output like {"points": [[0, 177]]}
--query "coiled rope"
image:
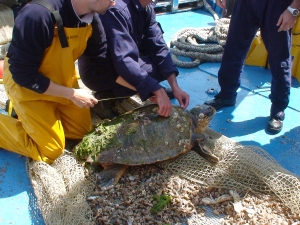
{"points": [[200, 44]]}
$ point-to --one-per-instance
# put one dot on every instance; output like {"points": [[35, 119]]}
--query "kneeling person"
{"points": [[140, 57]]}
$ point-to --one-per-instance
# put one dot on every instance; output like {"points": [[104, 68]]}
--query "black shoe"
{"points": [[104, 109], [169, 92], [274, 125], [219, 103]]}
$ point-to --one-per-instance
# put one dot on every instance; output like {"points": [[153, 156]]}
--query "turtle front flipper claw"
{"points": [[107, 178], [205, 152]]}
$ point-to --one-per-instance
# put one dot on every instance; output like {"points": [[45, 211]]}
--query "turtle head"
{"points": [[202, 115]]}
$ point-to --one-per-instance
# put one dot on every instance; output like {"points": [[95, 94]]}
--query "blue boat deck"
{"points": [[245, 122]]}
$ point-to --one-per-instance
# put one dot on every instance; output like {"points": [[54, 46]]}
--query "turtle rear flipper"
{"points": [[205, 152], [110, 176]]}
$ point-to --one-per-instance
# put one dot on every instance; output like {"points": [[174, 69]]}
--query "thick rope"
{"points": [[200, 44]]}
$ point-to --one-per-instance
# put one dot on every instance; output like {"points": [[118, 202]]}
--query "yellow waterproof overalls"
{"points": [[44, 121]]}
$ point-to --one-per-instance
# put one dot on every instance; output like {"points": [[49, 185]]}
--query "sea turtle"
{"points": [[143, 137]]}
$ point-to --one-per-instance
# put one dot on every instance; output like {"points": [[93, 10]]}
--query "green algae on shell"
{"points": [[142, 137]]}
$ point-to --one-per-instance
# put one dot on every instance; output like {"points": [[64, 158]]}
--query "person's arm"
{"points": [[160, 54], [160, 97], [286, 21], [182, 97], [33, 34], [96, 57], [295, 4], [80, 97], [125, 53], [157, 48]]}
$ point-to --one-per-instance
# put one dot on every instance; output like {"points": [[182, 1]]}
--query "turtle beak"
{"points": [[205, 111], [209, 112], [201, 111]]}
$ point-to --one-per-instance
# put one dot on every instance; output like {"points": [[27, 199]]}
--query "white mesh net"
{"points": [[3, 97], [61, 190], [240, 167]]}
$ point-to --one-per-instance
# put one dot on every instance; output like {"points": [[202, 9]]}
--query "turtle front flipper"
{"points": [[203, 150], [110, 176]]}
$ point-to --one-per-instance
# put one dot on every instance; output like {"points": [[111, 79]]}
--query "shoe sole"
{"points": [[273, 131]]}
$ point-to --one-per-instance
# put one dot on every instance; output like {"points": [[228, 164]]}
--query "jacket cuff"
{"points": [[147, 87]]}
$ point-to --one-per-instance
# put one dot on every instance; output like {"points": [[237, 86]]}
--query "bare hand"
{"points": [[221, 3], [286, 21], [82, 98], [163, 101], [182, 97]]}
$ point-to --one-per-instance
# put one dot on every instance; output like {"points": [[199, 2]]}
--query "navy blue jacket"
{"points": [[132, 31]]}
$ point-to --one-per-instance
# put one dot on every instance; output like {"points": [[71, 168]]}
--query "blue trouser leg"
{"points": [[243, 27], [247, 17], [94, 81], [98, 83], [278, 46]]}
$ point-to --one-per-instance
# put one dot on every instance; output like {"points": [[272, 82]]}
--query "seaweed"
{"points": [[101, 138], [161, 202]]}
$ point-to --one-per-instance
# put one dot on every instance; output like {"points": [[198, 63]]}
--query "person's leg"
{"points": [[243, 27], [106, 90], [146, 64], [98, 82], [38, 133], [76, 121], [278, 46]]}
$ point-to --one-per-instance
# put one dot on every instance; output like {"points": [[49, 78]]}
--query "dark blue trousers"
{"points": [[96, 82], [247, 17]]}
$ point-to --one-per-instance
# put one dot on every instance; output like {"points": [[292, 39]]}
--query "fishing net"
{"points": [[3, 97], [240, 168], [6, 26], [61, 190]]}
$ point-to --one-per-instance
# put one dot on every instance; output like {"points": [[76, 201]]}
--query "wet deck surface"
{"points": [[244, 123]]}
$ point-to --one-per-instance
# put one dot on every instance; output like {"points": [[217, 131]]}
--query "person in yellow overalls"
{"points": [[40, 77]]}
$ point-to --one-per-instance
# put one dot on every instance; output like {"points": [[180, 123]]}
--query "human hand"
{"points": [[182, 97], [82, 98], [286, 21], [221, 3], [164, 105]]}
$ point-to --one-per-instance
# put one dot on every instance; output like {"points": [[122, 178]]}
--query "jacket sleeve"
{"points": [[32, 34], [157, 47], [125, 53]]}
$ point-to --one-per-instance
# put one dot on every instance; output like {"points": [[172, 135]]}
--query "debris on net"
{"points": [[61, 190]]}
